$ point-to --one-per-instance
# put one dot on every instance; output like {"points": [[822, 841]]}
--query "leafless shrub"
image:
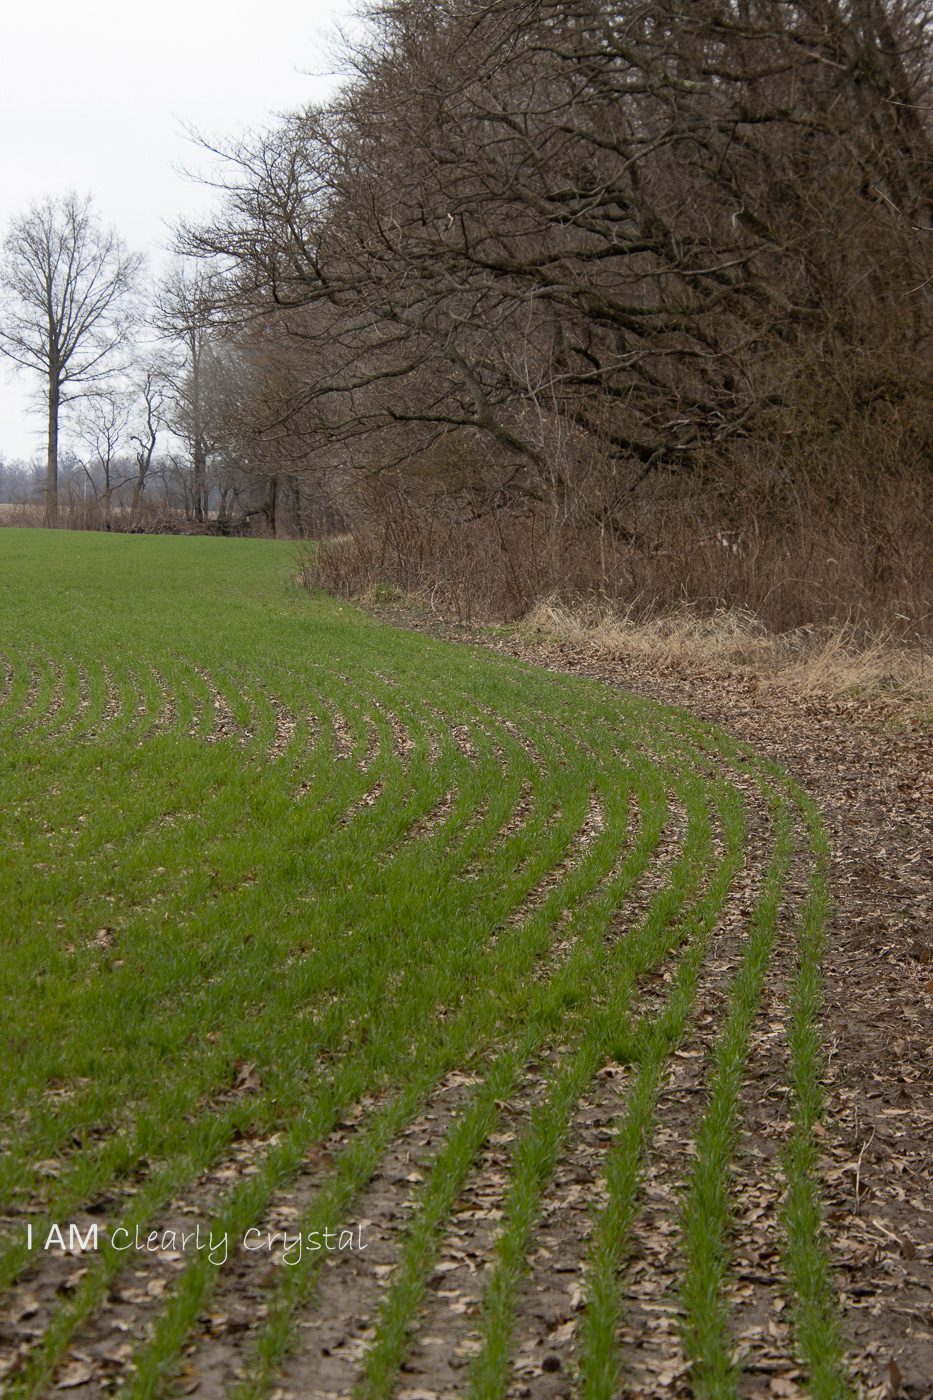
{"points": [[791, 553]]}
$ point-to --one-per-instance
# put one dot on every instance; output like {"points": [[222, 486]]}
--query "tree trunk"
{"points": [[200, 480], [296, 507], [139, 486], [51, 475], [269, 505], [198, 449]]}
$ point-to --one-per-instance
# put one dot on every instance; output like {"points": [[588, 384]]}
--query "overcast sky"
{"points": [[95, 98]]}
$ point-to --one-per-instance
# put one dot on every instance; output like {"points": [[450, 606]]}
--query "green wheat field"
{"points": [[309, 926]]}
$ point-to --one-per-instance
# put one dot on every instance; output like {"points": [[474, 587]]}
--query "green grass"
{"points": [[246, 826], [706, 1206]]}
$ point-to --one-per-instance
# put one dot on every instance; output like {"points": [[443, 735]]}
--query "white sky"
{"points": [[95, 98]]}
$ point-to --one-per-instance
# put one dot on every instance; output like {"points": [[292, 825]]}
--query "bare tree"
{"points": [[582, 267], [185, 314], [102, 431], [65, 283], [153, 397], [621, 230]]}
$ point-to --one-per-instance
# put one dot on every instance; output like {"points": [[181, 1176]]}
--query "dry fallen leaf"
{"points": [[246, 1076], [75, 1373], [27, 1306], [894, 1378]]}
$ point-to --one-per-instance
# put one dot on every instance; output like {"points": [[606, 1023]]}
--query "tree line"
{"points": [[74, 313], [566, 279]]}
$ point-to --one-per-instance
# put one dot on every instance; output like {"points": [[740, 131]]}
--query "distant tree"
{"points": [[147, 435], [65, 285], [186, 315], [102, 432]]}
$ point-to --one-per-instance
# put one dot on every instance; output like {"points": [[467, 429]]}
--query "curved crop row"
{"points": [[270, 889]]}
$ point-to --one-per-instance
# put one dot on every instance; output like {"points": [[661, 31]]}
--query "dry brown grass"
{"points": [[21, 515], [807, 660]]}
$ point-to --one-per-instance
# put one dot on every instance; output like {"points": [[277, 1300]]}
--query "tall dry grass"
{"points": [[807, 660]]}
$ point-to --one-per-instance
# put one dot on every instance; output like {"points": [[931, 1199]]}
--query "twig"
{"points": [[858, 1170]]}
